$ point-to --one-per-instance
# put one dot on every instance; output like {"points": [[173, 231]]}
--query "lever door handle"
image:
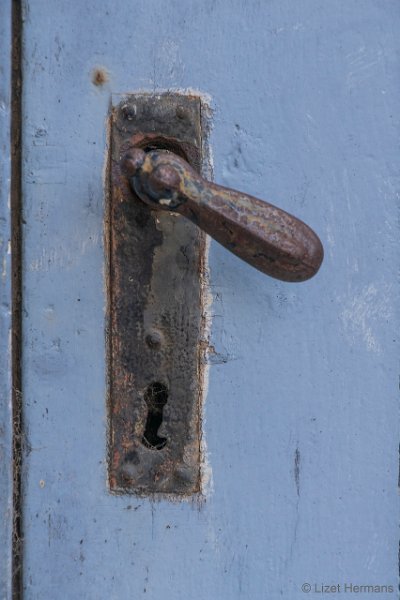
{"points": [[266, 237]]}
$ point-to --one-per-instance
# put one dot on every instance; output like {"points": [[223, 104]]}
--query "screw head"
{"points": [[154, 339], [180, 112], [129, 111], [185, 476]]}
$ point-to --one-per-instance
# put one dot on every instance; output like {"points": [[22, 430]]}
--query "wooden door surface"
{"points": [[300, 413]]}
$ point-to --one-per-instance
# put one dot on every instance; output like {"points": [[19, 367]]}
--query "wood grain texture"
{"points": [[303, 382], [6, 471]]}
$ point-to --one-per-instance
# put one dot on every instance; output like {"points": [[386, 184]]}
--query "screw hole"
{"points": [[156, 397]]}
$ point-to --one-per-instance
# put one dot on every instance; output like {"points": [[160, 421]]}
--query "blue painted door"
{"points": [[300, 434]]}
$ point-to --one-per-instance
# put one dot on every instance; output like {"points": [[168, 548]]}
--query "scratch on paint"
{"points": [[364, 309], [361, 64], [62, 257], [297, 470]]}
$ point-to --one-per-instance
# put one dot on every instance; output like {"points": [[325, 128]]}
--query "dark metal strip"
{"points": [[16, 291], [155, 311]]}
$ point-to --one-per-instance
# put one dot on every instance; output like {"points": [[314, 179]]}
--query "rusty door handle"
{"points": [[263, 235]]}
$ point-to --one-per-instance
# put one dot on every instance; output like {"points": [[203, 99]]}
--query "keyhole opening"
{"points": [[156, 397]]}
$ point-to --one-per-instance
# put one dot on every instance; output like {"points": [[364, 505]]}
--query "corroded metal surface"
{"points": [[263, 235], [155, 311]]}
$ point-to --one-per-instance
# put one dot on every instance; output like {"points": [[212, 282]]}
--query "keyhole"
{"points": [[156, 397]]}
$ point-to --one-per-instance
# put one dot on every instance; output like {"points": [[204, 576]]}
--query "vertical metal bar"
{"points": [[16, 290]]}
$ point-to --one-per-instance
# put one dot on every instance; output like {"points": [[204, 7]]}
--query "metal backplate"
{"points": [[155, 304]]}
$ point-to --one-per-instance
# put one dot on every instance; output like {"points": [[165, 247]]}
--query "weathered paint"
{"points": [[6, 471], [302, 402]]}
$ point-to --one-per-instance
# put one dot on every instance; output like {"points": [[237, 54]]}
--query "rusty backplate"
{"points": [[155, 308]]}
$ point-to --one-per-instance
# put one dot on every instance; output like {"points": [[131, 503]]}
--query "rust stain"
{"points": [[100, 76]]}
